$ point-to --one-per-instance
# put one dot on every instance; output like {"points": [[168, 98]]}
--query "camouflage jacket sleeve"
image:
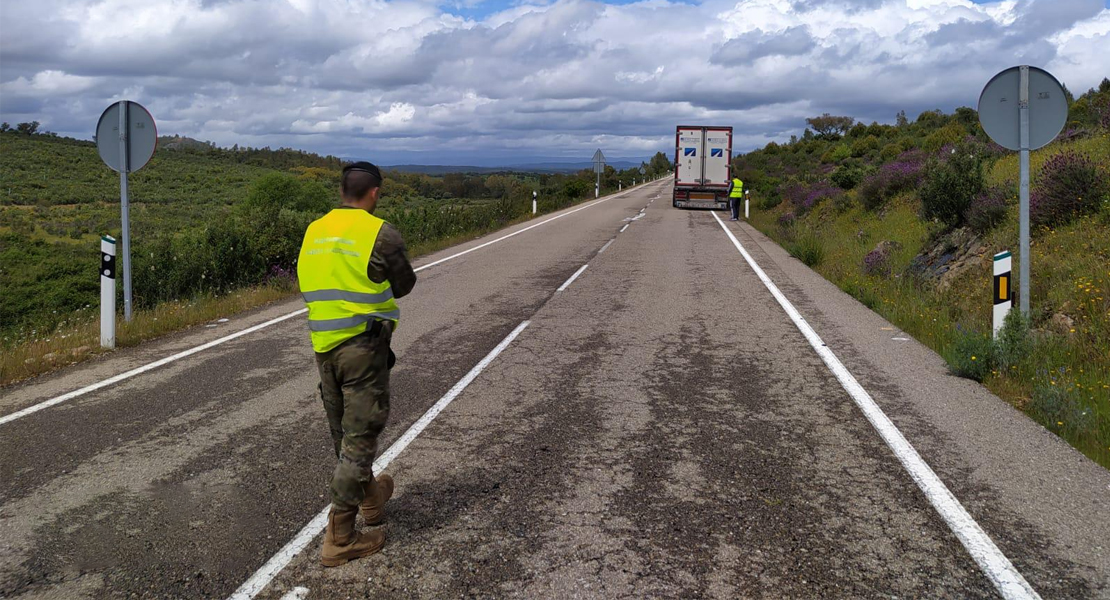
{"points": [[389, 260]]}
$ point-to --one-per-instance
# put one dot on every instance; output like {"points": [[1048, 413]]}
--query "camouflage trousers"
{"points": [[354, 387]]}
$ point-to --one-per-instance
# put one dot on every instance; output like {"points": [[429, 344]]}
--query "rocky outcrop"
{"points": [[950, 256]]}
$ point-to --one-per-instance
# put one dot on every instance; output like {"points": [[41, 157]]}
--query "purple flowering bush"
{"points": [[893, 178], [877, 261], [1069, 185], [805, 199]]}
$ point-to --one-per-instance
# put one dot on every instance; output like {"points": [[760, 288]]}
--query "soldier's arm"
{"points": [[390, 260]]}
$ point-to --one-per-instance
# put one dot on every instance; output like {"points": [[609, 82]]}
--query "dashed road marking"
{"points": [[1010, 583], [567, 283], [297, 593], [606, 246], [623, 228], [279, 561]]}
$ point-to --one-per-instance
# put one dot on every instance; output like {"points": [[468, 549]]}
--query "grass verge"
{"points": [[1061, 379]]}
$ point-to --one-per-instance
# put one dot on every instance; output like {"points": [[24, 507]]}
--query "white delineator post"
{"points": [[1003, 289], [107, 292], [747, 198], [534, 195]]}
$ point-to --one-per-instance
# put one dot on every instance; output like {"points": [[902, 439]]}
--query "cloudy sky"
{"points": [[504, 81]]}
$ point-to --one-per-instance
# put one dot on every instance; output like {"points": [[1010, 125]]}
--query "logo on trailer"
{"points": [[717, 153], [689, 151]]}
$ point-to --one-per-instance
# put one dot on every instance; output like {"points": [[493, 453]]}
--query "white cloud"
{"points": [[545, 79]]}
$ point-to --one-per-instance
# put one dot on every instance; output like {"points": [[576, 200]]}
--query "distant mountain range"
{"points": [[543, 167]]}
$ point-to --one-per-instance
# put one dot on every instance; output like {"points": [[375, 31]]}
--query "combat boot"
{"points": [[375, 493], [343, 543]]}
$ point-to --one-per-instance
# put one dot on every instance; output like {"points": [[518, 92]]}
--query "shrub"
{"points": [[1014, 342], [275, 191], [807, 249], [1053, 407], [890, 152], [836, 154], [848, 176], [769, 201], [987, 210], [864, 146], [1070, 185], [844, 202], [950, 185], [949, 134], [892, 179], [971, 356], [877, 262], [805, 199]]}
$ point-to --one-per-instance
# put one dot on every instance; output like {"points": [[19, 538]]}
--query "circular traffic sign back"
{"points": [[999, 108], [142, 134]]}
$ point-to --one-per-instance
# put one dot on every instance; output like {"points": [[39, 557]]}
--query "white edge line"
{"points": [[567, 283], [1010, 583], [623, 228], [139, 370], [263, 576], [606, 246]]}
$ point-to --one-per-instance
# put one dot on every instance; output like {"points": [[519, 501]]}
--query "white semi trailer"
{"points": [[703, 166]]}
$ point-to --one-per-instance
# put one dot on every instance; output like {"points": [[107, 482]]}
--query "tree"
{"points": [[658, 165], [901, 120], [830, 127], [28, 128], [4, 127]]}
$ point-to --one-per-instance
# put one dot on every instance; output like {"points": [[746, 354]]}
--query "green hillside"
{"points": [[907, 217], [208, 221]]}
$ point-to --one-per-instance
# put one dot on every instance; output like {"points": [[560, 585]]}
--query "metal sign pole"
{"points": [[1023, 110], [125, 167]]}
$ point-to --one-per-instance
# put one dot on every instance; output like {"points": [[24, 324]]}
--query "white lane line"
{"points": [[279, 561], [567, 283], [1010, 583], [623, 228], [143, 369], [603, 248], [137, 371]]}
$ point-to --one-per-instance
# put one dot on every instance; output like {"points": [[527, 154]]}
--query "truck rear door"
{"points": [[718, 153], [689, 153]]}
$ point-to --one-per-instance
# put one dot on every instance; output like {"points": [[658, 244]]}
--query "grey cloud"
{"points": [[757, 44], [567, 73]]}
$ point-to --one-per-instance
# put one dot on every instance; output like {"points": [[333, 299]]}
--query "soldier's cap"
{"points": [[365, 167]]}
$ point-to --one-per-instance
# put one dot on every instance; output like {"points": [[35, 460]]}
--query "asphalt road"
{"points": [[659, 428]]}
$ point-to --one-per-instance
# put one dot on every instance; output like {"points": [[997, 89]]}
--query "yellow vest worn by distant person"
{"points": [[737, 188], [332, 275]]}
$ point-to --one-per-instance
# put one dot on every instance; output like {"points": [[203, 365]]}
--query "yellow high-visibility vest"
{"points": [[737, 188], [331, 272]]}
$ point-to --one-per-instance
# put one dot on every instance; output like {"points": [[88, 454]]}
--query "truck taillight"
{"points": [[681, 194]]}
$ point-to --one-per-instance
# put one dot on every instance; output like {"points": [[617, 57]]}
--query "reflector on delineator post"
{"points": [[1003, 289]]}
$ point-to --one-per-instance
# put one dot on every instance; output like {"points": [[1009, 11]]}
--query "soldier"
{"points": [[351, 268]]}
